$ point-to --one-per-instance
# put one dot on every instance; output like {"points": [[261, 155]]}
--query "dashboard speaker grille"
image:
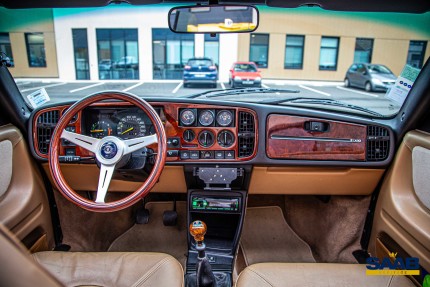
{"points": [[246, 136], [45, 126], [378, 143]]}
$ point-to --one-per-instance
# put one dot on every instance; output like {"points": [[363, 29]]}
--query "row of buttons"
{"points": [[202, 154]]}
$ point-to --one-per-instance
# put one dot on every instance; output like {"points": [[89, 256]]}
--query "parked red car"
{"points": [[244, 74]]}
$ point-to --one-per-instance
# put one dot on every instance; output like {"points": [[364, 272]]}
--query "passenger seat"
{"points": [[315, 274]]}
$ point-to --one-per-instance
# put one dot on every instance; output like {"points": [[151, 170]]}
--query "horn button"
{"points": [[108, 150]]}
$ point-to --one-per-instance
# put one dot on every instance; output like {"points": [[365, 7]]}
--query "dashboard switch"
{"points": [[185, 154], [219, 154], [173, 142], [229, 154], [206, 154], [194, 154], [172, 153]]}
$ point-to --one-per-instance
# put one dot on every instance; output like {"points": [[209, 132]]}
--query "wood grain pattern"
{"points": [[313, 145], [171, 124]]}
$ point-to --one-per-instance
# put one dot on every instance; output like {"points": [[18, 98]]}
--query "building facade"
{"points": [[134, 43]]}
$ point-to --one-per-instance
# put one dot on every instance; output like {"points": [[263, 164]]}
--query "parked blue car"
{"points": [[200, 71]]}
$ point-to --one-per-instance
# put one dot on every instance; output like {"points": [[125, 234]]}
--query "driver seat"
{"points": [[54, 269]]}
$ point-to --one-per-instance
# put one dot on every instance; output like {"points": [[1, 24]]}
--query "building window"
{"points": [[5, 46], [170, 53], [35, 43], [294, 48], [329, 52], [259, 50], [363, 50], [416, 53], [212, 48], [118, 55], [80, 48]]}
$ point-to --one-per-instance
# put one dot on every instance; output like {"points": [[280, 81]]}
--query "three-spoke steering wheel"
{"points": [[109, 151]]}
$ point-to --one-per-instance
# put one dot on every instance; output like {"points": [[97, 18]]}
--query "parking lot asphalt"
{"points": [[58, 91]]}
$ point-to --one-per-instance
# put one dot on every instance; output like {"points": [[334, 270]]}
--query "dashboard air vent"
{"points": [[45, 126], [378, 143], [246, 136]]}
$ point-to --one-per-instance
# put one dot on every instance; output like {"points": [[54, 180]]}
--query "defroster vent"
{"points": [[378, 143], [46, 123], [246, 136]]}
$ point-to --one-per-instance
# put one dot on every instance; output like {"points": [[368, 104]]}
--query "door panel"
{"points": [[24, 207], [401, 213]]}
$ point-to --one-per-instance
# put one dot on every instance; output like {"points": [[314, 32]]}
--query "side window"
{"points": [[329, 53], [259, 50], [353, 68], [361, 68], [294, 47], [35, 43], [5, 46]]}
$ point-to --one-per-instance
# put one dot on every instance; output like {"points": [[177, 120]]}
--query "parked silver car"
{"points": [[370, 77]]}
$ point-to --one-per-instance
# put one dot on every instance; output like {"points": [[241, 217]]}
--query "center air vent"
{"points": [[46, 123], [378, 143], [246, 135]]}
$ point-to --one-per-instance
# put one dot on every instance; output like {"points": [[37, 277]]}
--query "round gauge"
{"points": [[206, 118], [100, 129], [188, 117], [224, 118], [131, 126]]}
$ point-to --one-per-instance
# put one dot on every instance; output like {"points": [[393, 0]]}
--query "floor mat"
{"points": [[266, 237], [154, 236]]}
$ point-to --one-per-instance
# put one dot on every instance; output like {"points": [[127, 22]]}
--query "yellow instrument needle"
{"points": [[126, 131], [96, 131]]}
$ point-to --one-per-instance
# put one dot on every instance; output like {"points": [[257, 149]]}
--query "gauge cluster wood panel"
{"points": [[179, 141], [291, 137]]}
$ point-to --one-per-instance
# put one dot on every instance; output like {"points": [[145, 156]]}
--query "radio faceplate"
{"points": [[201, 203]]}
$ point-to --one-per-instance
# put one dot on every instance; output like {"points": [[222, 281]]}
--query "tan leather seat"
{"points": [[117, 269], [314, 274]]}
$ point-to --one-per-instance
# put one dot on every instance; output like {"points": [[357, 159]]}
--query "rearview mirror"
{"points": [[213, 19]]}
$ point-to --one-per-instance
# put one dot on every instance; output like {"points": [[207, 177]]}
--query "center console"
{"points": [[219, 199]]}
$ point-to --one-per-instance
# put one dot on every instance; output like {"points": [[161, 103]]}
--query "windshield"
{"points": [[245, 68], [74, 52], [378, 69]]}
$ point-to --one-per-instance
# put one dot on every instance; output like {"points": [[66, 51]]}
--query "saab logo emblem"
{"points": [[392, 265]]}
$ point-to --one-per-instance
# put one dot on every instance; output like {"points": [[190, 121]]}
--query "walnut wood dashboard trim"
{"points": [[287, 138], [172, 128]]}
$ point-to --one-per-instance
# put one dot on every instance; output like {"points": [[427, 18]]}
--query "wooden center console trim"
{"points": [[287, 138]]}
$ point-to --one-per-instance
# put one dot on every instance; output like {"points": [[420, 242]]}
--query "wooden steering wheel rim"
{"points": [[143, 190]]}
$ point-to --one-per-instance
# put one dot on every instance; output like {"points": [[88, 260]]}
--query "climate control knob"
{"points": [[206, 138], [226, 138]]}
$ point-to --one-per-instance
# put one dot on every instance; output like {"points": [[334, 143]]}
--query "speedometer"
{"points": [[100, 129], [131, 126]]}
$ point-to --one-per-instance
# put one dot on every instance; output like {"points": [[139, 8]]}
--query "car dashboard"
{"points": [[280, 146]]}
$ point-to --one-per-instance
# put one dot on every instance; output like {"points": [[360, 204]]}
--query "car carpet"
{"points": [[267, 237], [154, 236]]}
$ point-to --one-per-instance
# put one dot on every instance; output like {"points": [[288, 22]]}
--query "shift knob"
{"points": [[198, 230]]}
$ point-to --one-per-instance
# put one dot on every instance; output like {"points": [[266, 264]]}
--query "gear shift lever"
{"points": [[205, 276]]}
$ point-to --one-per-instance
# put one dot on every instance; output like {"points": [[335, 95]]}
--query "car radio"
{"points": [[200, 203]]}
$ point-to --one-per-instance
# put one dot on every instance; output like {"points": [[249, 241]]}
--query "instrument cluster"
{"points": [[124, 123]]}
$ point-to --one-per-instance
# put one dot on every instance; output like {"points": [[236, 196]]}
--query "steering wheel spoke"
{"points": [[86, 142], [135, 144], [106, 172]]}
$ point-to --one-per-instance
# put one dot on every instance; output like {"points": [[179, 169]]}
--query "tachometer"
{"points": [[100, 129], [206, 118], [131, 126], [224, 118]]}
